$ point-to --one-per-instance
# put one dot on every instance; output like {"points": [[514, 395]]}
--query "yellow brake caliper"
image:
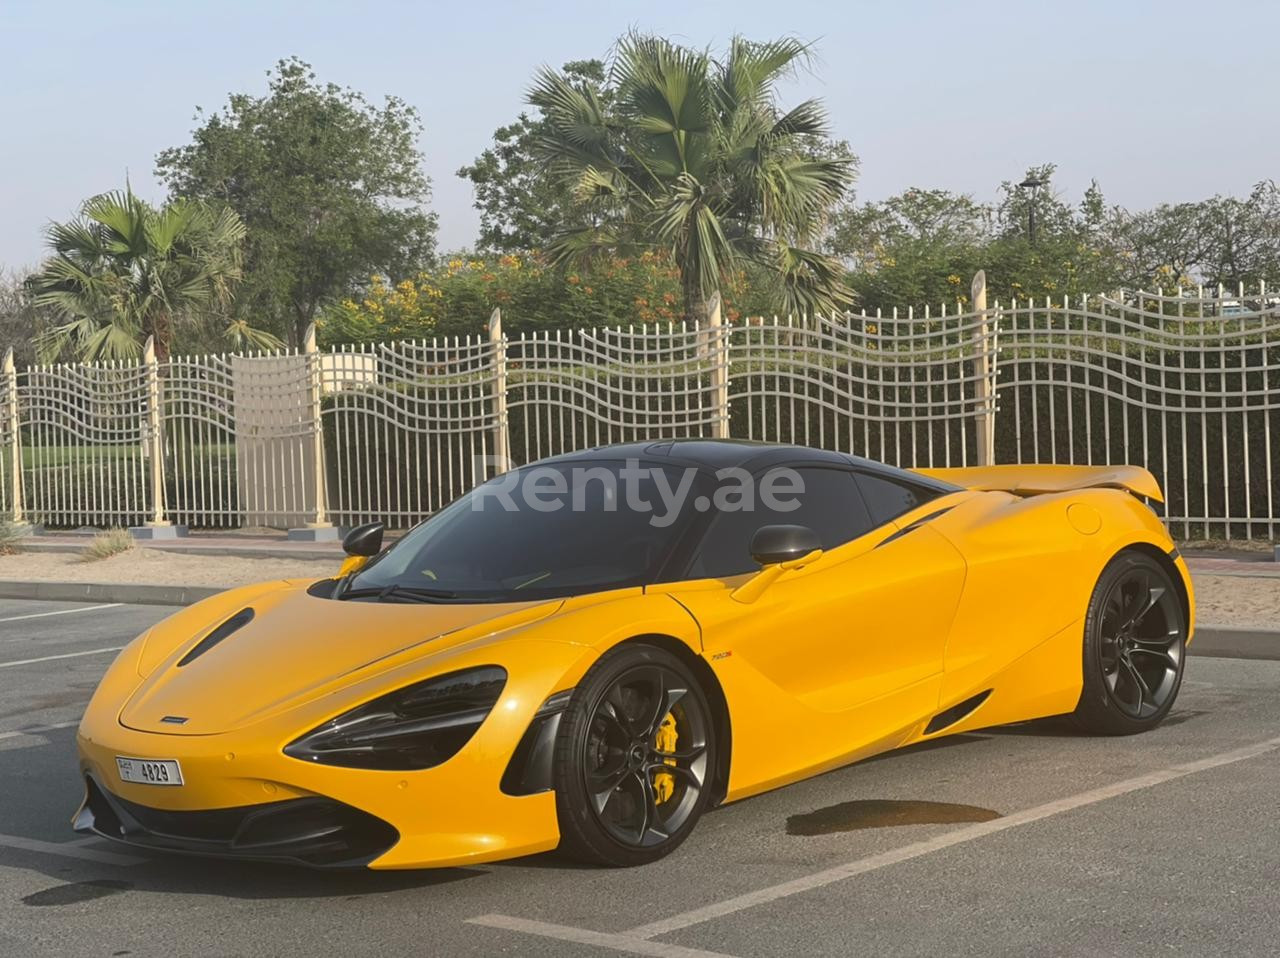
{"points": [[664, 783]]}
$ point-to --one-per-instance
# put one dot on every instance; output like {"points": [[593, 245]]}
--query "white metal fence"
{"points": [[1185, 384], [407, 426]]}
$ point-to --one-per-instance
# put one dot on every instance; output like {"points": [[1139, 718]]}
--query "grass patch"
{"points": [[107, 544]]}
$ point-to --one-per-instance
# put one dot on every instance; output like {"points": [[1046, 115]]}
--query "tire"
{"points": [[609, 773], [1135, 636]]}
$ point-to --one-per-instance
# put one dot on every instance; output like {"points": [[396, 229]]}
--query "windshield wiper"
{"points": [[397, 592]]}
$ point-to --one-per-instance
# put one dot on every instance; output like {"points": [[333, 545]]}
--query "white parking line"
{"points": [[581, 936], [958, 837], [37, 729], [41, 615], [64, 655], [633, 941], [67, 850]]}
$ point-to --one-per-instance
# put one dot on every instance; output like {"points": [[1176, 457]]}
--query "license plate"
{"points": [[149, 771]]}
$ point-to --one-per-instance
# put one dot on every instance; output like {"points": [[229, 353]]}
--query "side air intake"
{"points": [[233, 624], [955, 713]]}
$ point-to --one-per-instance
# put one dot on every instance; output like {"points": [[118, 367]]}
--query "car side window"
{"points": [[889, 498], [828, 503]]}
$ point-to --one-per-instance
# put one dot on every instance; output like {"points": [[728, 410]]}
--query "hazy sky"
{"points": [[1158, 101]]}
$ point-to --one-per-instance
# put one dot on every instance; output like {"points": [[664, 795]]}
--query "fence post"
{"points": [[719, 355], [501, 426], [983, 359], [157, 526], [10, 373], [319, 529]]}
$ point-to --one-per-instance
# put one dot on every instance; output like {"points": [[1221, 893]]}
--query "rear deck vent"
{"points": [[955, 713], [912, 526], [237, 621]]}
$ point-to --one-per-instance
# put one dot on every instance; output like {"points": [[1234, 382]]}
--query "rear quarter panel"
{"points": [[1032, 566]]}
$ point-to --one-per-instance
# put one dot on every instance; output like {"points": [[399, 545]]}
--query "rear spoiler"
{"points": [[1038, 480]]}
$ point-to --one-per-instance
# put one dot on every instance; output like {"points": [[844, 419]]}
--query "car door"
{"points": [[835, 657]]}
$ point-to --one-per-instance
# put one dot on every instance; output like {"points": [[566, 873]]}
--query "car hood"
{"points": [[295, 646]]}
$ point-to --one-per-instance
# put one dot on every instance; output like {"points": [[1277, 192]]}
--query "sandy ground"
{"points": [[153, 567], [1238, 602], [1222, 600]]}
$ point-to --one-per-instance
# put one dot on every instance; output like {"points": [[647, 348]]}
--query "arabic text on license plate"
{"points": [[148, 771]]}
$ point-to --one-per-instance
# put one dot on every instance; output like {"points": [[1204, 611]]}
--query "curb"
{"points": [[123, 593], [166, 545], [1235, 643]]}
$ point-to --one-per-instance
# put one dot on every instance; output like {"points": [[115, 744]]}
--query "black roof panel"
{"points": [[717, 454]]}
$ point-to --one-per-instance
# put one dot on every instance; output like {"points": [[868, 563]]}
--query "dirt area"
{"points": [[153, 567], [1262, 546], [1235, 601], [1238, 601]]}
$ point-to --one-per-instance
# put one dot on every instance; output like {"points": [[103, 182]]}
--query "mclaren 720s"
{"points": [[589, 652]]}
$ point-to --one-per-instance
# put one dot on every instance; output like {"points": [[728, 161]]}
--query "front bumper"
{"points": [[302, 831], [454, 814]]}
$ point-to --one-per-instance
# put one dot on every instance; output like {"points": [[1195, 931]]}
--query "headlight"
{"points": [[416, 727]]}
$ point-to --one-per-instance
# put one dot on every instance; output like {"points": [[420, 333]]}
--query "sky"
{"points": [[1160, 102]]}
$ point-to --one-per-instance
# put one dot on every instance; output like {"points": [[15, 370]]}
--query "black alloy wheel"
{"points": [[1135, 647], [634, 758]]}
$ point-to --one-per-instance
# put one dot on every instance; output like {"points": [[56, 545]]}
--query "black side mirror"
{"points": [[773, 544], [364, 540]]}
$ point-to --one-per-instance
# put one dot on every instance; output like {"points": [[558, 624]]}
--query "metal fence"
{"points": [[1186, 384]]}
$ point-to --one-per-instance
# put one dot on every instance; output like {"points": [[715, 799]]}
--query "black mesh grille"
{"points": [[312, 831]]}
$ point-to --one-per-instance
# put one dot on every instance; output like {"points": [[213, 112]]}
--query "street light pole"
{"points": [[1031, 183]]}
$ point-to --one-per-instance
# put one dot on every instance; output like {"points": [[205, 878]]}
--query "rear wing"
{"points": [[1037, 480]]}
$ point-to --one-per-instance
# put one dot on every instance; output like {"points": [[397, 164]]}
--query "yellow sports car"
{"points": [[589, 652]]}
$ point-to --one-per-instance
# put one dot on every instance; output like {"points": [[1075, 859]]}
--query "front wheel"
{"points": [[1135, 638], [633, 759]]}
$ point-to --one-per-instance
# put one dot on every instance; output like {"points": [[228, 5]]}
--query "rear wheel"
{"points": [[633, 758], [1135, 639]]}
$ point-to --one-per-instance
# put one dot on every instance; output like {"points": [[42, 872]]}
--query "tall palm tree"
{"points": [[124, 270], [693, 155]]}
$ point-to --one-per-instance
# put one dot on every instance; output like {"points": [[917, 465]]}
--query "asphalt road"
{"points": [[1044, 843]]}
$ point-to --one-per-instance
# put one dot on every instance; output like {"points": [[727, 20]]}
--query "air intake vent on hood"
{"points": [[237, 621]]}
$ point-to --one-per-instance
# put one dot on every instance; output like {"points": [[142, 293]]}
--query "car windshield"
{"points": [[543, 531]]}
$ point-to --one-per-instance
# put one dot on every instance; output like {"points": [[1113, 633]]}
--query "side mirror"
{"points": [[779, 550], [364, 540], [774, 544]]}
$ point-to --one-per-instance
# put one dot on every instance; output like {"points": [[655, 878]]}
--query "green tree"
{"points": [[1223, 239], [1077, 249], [918, 247], [923, 246], [125, 270], [21, 320], [521, 206], [330, 187], [690, 155]]}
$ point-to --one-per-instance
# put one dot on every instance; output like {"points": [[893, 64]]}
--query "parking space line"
{"points": [[68, 850], [64, 655], [37, 729], [41, 615], [764, 896], [581, 936]]}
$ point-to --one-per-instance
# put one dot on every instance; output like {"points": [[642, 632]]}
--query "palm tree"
{"points": [[124, 270], [694, 156]]}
